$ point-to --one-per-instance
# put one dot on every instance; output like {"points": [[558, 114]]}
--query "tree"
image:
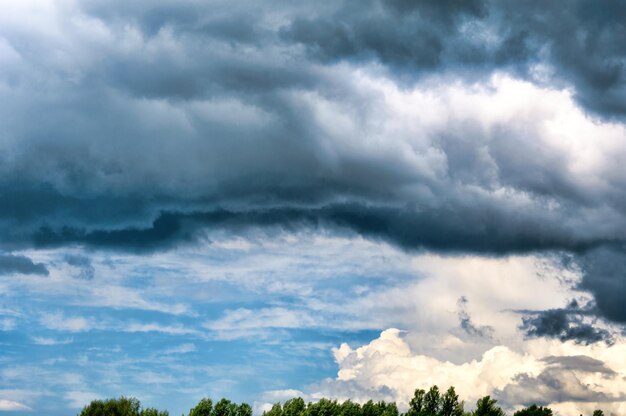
{"points": [[203, 408], [151, 411], [487, 407], [598, 412], [534, 410], [370, 409], [432, 402], [225, 408], [450, 405], [124, 406], [416, 404], [276, 410], [294, 407], [244, 409], [349, 408], [388, 409]]}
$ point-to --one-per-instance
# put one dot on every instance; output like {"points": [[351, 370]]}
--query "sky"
{"points": [[344, 199]]}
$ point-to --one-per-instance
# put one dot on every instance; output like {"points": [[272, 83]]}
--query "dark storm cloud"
{"points": [[567, 324], [407, 227], [581, 41], [135, 126], [10, 264], [604, 275]]}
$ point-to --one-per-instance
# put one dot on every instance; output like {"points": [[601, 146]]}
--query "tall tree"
{"points": [[487, 407], [276, 410], [244, 409], [203, 408], [450, 405], [432, 402], [416, 404], [294, 407]]}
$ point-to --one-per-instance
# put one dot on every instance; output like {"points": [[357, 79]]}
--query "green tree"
{"points": [[151, 411], [388, 409], [349, 408], [432, 402], [598, 412], [294, 407], [203, 408], [370, 409], [417, 403], [244, 409], [225, 408], [487, 407], [276, 410], [123, 406], [450, 405], [534, 410], [327, 408]]}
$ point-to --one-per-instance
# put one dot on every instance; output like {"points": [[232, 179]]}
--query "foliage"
{"points": [[423, 403], [203, 408], [534, 410], [487, 407], [124, 406]]}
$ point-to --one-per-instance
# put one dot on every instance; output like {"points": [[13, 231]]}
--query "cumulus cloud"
{"points": [[387, 368]]}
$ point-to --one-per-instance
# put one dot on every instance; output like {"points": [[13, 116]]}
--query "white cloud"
{"points": [[10, 406], [57, 321], [388, 365], [181, 349], [243, 322], [434, 349], [51, 341], [7, 324]]}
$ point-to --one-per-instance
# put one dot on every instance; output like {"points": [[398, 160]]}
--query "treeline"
{"points": [[423, 403]]}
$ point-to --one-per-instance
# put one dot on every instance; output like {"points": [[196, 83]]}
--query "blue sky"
{"points": [[344, 199]]}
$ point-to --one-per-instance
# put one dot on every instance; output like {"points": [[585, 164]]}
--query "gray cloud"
{"points": [[580, 42], [467, 325], [159, 123], [568, 324], [552, 385], [10, 264], [85, 268]]}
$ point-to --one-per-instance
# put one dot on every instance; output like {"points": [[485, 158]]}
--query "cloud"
{"points": [[57, 321], [12, 406], [387, 368], [181, 349], [566, 324], [415, 39], [10, 264], [603, 270], [86, 270]]}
